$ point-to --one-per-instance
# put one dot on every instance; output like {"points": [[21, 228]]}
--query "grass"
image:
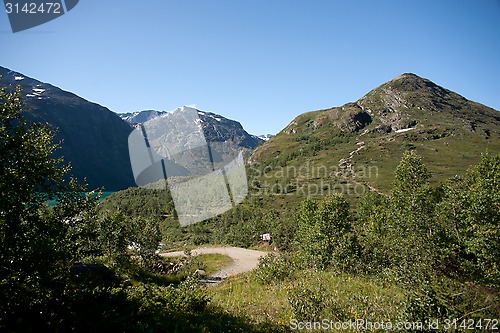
{"points": [[263, 305], [212, 262], [312, 172], [342, 297]]}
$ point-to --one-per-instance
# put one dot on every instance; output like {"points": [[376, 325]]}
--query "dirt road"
{"points": [[244, 259]]}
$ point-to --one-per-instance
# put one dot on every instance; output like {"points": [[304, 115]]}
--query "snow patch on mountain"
{"points": [[404, 130], [264, 137]]}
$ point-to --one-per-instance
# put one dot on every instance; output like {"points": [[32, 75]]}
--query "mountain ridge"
{"points": [[95, 139], [211, 123], [407, 112]]}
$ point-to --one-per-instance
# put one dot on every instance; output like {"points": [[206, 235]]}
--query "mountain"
{"points": [[94, 138], [225, 136], [216, 128], [358, 145], [140, 117]]}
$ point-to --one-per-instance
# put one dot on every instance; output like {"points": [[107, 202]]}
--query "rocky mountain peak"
{"points": [[216, 128], [409, 99], [408, 77]]}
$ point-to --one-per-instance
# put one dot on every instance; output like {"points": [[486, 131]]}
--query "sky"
{"points": [[261, 62]]}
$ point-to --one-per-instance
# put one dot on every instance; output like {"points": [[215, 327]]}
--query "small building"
{"points": [[266, 237]]}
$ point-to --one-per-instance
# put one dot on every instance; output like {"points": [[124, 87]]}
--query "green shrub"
{"points": [[470, 215], [325, 237], [307, 302], [273, 268], [445, 299]]}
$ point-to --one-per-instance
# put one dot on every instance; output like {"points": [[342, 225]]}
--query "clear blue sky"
{"points": [[261, 62]]}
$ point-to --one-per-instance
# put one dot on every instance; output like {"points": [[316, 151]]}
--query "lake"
{"points": [[104, 195]]}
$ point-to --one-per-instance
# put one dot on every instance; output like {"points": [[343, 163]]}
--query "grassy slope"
{"points": [[449, 132], [344, 296]]}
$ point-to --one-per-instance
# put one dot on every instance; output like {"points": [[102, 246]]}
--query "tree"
{"points": [[373, 231], [399, 233], [411, 173], [41, 287], [37, 243], [145, 236], [113, 234], [324, 233], [470, 214], [412, 199], [411, 219]]}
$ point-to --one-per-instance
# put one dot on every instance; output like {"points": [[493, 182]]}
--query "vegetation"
{"points": [[240, 227], [324, 234], [436, 248], [448, 131], [422, 251], [52, 276]]}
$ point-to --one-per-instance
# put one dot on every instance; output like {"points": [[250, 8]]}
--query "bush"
{"points": [[470, 215], [273, 268], [307, 302], [157, 301], [448, 299], [324, 236], [400, 234], [283, 229], [145, 237]]}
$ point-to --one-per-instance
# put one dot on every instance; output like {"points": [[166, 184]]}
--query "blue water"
{"points": [[103, 196]]}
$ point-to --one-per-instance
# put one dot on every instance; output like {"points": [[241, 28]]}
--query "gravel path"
{"points": [[244, 259]]}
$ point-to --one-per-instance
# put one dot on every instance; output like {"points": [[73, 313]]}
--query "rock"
{"points": [[127, 283], [97, 273], [200, 272]]}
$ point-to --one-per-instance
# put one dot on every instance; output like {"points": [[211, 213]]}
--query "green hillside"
{"points": [[358, 145]]}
